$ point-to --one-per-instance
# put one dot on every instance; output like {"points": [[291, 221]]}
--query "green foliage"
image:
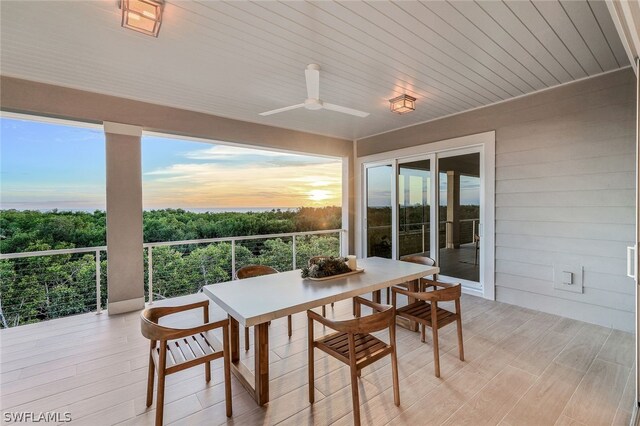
{"points": [[275, 253], [320, 245], [38, 288], [21, 229]]}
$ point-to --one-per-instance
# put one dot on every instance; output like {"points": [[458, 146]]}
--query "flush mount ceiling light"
{"points": [[144, 16], [402, 104]]}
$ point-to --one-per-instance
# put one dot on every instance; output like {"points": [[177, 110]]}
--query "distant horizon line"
{"points": [[189, 209]]}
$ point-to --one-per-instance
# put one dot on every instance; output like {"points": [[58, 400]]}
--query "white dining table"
{"points": [[259, 300]]}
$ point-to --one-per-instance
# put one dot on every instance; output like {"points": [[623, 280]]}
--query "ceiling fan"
{"points": [[313, 102]]}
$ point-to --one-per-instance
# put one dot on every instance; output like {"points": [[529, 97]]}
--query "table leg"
{"points": [[261, 346], [234, 339], [413, 286], [377, 296]]}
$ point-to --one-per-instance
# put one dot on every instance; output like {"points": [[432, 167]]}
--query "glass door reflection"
{"points": [[459, 216], [414, 204], [379, 218]]}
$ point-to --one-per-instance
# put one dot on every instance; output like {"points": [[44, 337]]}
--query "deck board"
{"points": [[46, 367]]}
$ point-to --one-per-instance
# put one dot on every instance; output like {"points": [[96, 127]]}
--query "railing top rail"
{"points": [[164, 243], [241, 238], [52, 252]]}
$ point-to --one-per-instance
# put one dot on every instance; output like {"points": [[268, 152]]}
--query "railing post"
{"points": [[98, 293], [293, 250], [150, 274], [423, 238], [233, 259]]}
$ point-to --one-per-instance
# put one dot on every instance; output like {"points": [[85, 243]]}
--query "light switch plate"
{"points": [[568, 278]]}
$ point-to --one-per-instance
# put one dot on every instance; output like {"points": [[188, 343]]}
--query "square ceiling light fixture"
{"points": [[402, 104], [144, 16]]}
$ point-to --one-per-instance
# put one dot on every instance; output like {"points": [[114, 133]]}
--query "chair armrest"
{"points": [[433, 283], [421, 295], [322, 320], [186, 332], [155, 331], [161, 311], [373, 305], [358, 325]]}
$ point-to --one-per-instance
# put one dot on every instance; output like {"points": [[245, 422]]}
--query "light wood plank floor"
{"points": [[523, 368]]}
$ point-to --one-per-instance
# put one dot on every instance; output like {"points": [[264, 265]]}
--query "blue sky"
{"points": [[45, 166]]}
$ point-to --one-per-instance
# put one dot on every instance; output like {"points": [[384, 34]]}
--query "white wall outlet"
{"points": [[568, 278]]}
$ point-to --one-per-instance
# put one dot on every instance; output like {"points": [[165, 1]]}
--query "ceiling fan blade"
{"points": [[275, 111], [345, 110], [312, 75]]}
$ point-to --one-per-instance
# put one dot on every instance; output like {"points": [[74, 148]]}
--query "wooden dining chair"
{"points": [[422, 260], [176, 349], [355, 346], [312, 261], [251, 271], [426, 312]]}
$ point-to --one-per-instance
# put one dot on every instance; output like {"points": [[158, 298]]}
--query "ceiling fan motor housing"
{"points": [[313, 102]]}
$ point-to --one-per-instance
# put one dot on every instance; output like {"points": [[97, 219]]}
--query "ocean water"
{"points": [[189, 209], [236, 209]]}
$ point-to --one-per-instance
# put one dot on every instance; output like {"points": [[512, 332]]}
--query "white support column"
{"points": [[347, 244], [125, 259]]}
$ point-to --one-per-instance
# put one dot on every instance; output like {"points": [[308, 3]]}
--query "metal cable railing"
{"points": [[208, 261], [55, 283]]}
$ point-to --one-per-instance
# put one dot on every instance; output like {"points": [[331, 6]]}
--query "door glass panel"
{"points": [[414, 195], [459, 216], [379, 185]]}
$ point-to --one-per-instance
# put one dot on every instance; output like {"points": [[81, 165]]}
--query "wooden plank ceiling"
{"points": [[236, 59]]}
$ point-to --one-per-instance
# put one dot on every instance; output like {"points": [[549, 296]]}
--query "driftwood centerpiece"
{"points": [[322, 267]]}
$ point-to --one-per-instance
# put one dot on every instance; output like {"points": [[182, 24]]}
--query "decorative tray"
{"points": [[357, 271]]}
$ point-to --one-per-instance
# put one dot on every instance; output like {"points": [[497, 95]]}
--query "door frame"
{"points": [[635, 415], [471, 286], [486, 144]]}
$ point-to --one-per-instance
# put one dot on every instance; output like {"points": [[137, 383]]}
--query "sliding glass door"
{"points": [[429, 205], [459, 216]]}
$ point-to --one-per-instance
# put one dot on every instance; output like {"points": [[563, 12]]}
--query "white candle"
{"points": [[352, 263]]}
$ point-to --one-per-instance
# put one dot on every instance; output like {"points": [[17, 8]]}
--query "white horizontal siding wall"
{"points": [[565, 193]]}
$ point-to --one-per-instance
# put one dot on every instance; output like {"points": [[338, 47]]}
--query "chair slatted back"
{"points": [[423, 260], [251, 271], [370, 324], [448, 293]]}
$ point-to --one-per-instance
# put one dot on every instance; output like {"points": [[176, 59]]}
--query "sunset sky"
{"points": [[46, 166], [203, 175]]}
